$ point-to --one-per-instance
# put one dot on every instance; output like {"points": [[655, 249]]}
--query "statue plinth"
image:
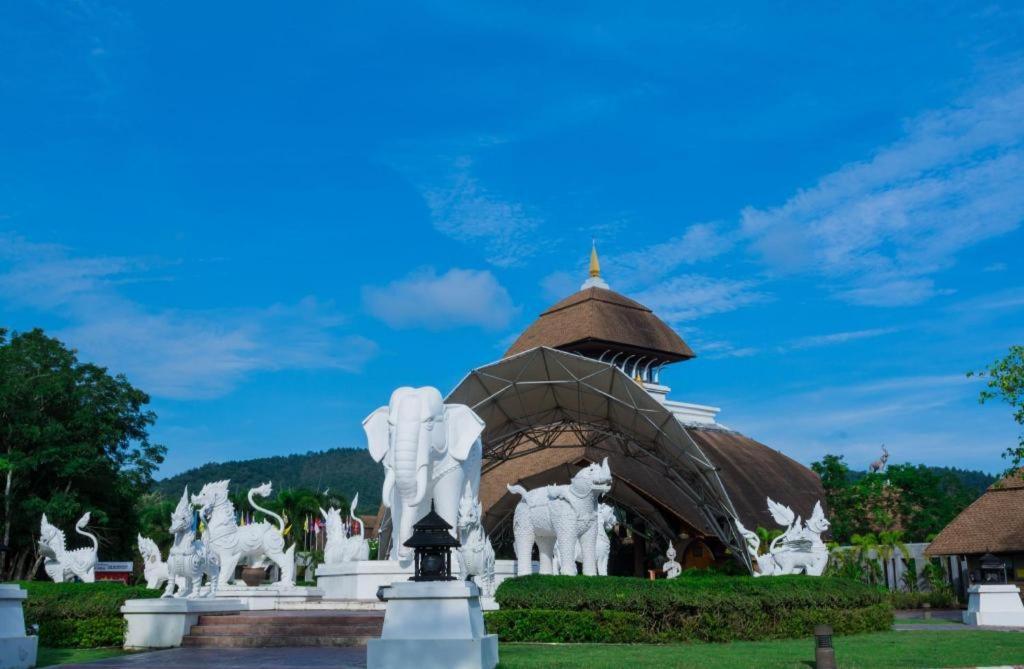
{"points": [[994, 605], [17, 650], [433, 625]]}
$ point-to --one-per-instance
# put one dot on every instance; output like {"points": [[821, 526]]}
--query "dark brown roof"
{"points": [[750, 471], [994, 523], [600, 316]]}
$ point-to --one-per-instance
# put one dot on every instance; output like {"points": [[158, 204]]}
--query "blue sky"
{"points": [[268, 216]]}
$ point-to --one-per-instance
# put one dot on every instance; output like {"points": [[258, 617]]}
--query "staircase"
{"points": [[270, 629]]}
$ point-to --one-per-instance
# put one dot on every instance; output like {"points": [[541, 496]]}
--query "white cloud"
{"points": [[817, 341], [881, 227], [691, 296], [698, 243], [457, 298], [465, 210], [171, 353]]}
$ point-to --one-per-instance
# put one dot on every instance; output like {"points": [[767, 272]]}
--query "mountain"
{"points": [[344, 470]]}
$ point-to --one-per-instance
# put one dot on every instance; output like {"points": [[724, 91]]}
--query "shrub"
{"points": [[697, 607], [79, 615], [942, 598]]}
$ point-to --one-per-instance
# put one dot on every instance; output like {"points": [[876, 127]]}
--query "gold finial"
{"points": [[595, 265]]}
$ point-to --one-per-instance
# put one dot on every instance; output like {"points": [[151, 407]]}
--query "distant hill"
{"points": [[343, 470], [973, 480]]}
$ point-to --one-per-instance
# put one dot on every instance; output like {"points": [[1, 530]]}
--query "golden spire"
{"points": [[595, 264]]}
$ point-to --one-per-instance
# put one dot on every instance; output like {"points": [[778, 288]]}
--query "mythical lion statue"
{"points": [[254, 541], [797, 550], [189, 560], [340, 546], [61, 564], [562, 515], [476, 555]]}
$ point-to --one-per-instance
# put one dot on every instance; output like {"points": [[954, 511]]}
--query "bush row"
{"points": [[690, 608], [937, 599], [79, 615]]}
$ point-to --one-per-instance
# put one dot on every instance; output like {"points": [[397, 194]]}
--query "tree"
{"points": [[1006, 382], [73, 438]]}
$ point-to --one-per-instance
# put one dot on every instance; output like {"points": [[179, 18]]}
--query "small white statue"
{"points": [[797, 550], [61, 564], [671, 568], [189, 560], [153, 566], [341, 547], [562, 514], [476, 555], [255, 541]]}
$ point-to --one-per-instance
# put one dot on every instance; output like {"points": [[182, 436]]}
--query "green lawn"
{"points": [[884, 650], [53, 656]]}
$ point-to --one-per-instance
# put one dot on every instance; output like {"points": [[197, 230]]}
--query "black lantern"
{"points": [[993, 569], [433, 544]]}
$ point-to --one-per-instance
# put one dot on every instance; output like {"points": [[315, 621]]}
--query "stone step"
{"points": [[303, 629], [283, 641], [274, 618]]}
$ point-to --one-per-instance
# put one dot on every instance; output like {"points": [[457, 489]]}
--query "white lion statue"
{"points": [[61, 564], [254, 541], [562, 515], [476, 554], [189, 560]]}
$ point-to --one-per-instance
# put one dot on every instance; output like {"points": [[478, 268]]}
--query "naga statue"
{"points": [[253, 541], [61, 564], [189, 560], [342, 546], [797, 550], [562, 515], [476, 554]]}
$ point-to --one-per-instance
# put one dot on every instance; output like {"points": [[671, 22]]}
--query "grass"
{"points": [[883, 650], [930, 621], [53, 656]]}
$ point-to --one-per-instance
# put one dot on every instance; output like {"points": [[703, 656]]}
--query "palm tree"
{"points": [[863, 544], [889, 544], [766, 536]]}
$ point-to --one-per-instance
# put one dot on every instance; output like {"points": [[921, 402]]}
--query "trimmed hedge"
{"points": [[79, 615], [704, 607]]}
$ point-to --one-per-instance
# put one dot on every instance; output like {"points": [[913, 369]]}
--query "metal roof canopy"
{"points": [[526, 400]]}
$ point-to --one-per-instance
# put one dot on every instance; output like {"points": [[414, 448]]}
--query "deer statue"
{"points": [[879, 464]]}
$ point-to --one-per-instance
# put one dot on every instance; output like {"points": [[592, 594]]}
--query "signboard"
{"points": [[102, 567]]}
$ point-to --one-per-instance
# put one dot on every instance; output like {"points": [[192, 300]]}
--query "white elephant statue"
{"points": [[431, 452]]}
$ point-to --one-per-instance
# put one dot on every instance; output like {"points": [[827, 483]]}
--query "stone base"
{"points": [[994, 605], [433, 653], [269, 597], [162, 623], [359, 581], [433, 624], [17, 651]]}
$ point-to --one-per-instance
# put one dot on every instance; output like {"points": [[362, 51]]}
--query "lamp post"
{"points": [[432, 545], [824, 653]]}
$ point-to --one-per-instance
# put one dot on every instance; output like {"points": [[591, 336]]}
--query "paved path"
{"points": [[226, 658]]}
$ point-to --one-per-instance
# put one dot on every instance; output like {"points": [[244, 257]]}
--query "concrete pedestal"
{"points": [[998, 605], [162, 623], [360, 580], [433, 625], [269, 597], [17, 651]]}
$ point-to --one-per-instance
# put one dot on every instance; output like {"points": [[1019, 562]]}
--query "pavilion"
{"points": [[583, 383]]}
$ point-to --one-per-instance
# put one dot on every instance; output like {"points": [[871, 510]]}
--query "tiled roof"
{"points": [[994, 523]]}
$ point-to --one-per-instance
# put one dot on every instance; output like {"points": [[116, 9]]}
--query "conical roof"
{"points": [[596, 318]]}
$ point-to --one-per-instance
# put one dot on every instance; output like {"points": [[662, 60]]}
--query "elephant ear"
{"points": [[464, 428], [377, 433]]}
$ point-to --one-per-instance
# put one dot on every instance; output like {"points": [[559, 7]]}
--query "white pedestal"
{"points": [[269, 597], [360, 580], [161, 623], [433, 625], [17, 651], [998, 605]]}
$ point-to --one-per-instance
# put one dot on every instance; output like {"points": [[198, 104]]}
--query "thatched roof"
{"points": [[598, 318], [994, 523]]}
